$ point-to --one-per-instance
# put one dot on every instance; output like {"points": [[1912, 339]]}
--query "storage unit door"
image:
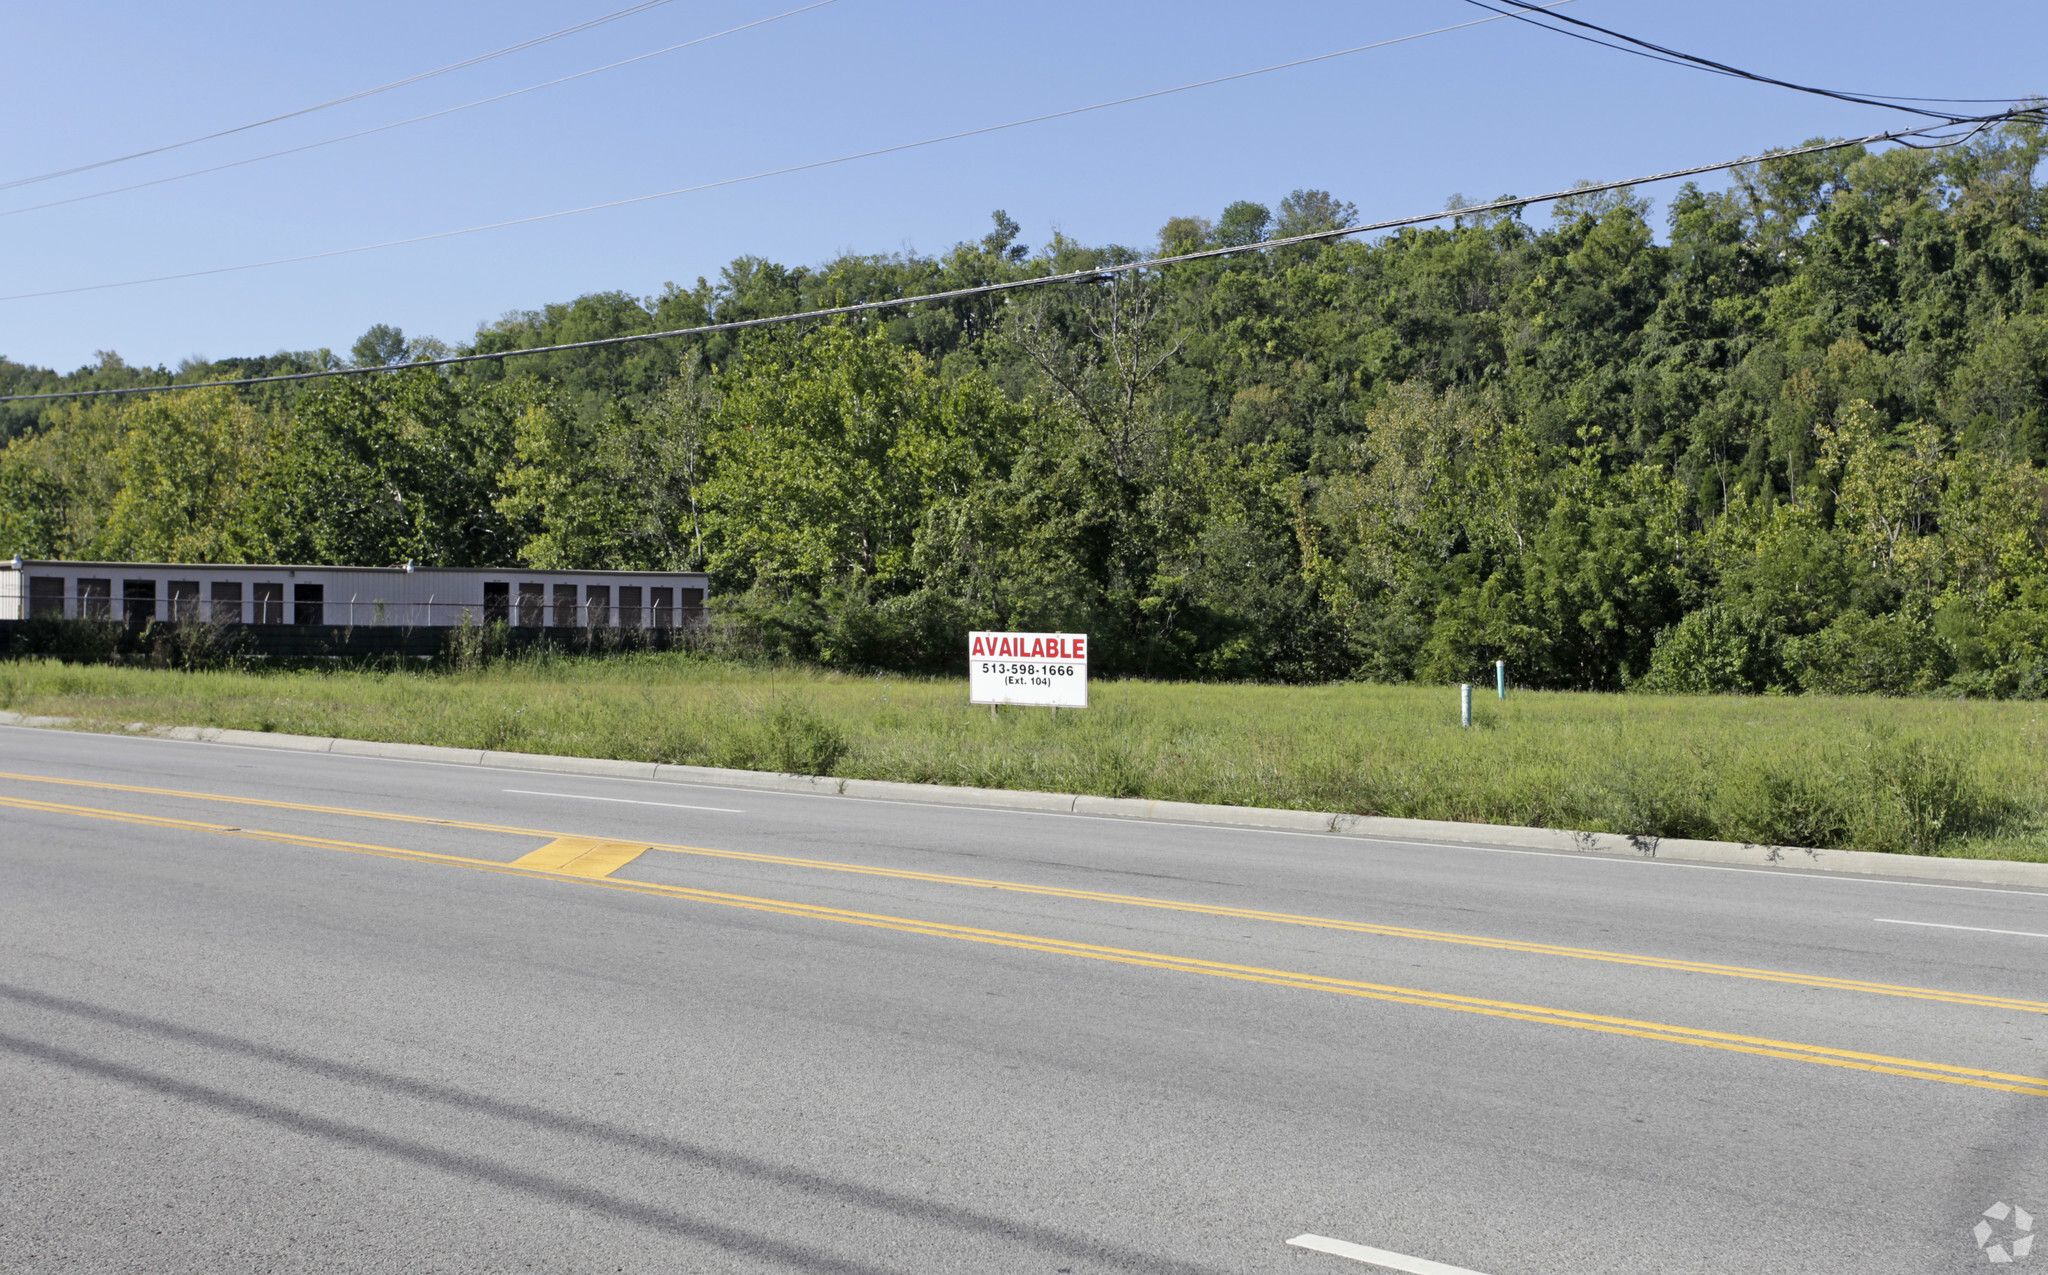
{"points": [[138, 601], [46, 596], [227, 601]]}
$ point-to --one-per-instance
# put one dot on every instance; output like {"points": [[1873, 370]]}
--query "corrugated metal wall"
{"points": [[348, 597]]}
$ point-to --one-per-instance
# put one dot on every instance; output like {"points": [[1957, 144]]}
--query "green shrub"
{"points": [[797, 741], [2001, 651], [1643, 799], [195, 646], [75, 641], [1917, 795], [787, 736], [1777, 800], [1715, 649], [1859, 654], [473, 646], [1880, 791]]}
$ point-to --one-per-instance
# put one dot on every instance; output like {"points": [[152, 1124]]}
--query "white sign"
{"points": [[1028, 668]]}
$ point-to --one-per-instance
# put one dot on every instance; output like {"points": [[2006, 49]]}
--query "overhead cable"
{"points": [[613, 16], [1091, 274], [753, 177], [1661, 53], [430, 115]]}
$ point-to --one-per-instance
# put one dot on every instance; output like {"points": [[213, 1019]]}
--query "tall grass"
{"points": [[1900, 775]]}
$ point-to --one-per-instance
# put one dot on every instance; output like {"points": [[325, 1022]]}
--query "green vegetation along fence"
{"points": [[1789, 438]]}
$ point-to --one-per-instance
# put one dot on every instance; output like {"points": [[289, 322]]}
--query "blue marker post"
{"points": [[1464, 703], [1500, 678]]}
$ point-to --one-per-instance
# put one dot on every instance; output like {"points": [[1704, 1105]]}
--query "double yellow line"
{"points": [[1122, 900], [1759, 1046]]}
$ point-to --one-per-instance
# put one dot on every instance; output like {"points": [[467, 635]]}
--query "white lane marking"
{"points": [[1791, 870], [624, 801], [1980, 929], [1377, 1256]]}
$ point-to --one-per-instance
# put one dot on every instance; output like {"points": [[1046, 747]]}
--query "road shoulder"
{"points": [[2001, 872]]}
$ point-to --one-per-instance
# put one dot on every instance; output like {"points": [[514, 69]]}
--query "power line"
{"points": [[1676, 57], [614, 16], [430, 115], [1092, 274], [753, 177]]}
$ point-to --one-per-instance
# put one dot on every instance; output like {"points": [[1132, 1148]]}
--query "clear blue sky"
{"points": [[1498, 108]]}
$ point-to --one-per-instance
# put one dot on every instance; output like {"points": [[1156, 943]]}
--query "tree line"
{"points": [[1796, 445]]}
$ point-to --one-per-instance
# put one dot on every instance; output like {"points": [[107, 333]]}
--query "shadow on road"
{"points": [[1064, 1244]]}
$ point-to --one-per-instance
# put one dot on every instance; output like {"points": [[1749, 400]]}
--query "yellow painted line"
{"points": [[1794, 1051], [1393, 931], [266, 804], [582, 856], [1131, 900]]}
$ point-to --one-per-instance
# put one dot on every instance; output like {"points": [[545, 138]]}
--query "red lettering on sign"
{"points": [[1029, 646]]}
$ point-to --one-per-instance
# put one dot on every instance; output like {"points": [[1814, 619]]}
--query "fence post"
{"points": [[1464, 703], [1500, 678]]}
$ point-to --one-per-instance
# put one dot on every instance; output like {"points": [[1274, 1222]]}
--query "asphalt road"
{"points": [[822, 1034]]}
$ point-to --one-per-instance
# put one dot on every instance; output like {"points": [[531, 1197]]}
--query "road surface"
{"points": [[270, 1011]]}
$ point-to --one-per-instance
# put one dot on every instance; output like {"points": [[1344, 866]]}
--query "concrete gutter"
{"points": [[1855, 862]]}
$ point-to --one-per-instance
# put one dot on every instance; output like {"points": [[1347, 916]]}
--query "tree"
{"points": [[1813, 419], [405, 466], [30, 504], [1184, 234], [1243, 222], [1002, 241], [618, 491], [381, 346], [1304, 212], [189, 466], [826, 459]]}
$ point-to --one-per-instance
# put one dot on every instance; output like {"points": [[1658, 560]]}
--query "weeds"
{"points": [[792, 738], [1905, 776], [1919, 795], [1784, 801]]}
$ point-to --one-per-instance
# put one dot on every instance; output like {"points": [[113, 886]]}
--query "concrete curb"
{"points": [[1853, 862]]}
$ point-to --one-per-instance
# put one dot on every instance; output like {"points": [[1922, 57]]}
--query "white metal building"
{"points": [[412, 597]]}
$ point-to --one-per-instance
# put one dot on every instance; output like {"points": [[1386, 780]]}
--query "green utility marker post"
{"points": [[1500, 678]]}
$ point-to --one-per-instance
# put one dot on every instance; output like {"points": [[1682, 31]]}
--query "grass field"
{"points": [[1898, 775]]}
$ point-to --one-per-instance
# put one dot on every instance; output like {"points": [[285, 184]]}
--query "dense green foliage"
{"points": [[1798, 444]]}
